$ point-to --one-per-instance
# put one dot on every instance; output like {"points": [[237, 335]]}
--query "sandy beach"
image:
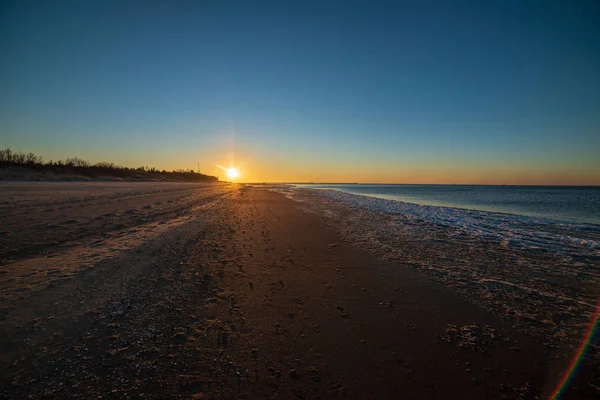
{"points": [[184, 290]]}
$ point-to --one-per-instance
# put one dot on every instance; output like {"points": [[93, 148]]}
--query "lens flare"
{"points": [[571, 371]]}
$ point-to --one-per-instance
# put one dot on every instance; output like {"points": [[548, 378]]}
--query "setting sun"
{"points": [[233, 173]]}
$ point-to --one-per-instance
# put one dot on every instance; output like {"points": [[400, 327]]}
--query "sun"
{"points": [[233, 173]]}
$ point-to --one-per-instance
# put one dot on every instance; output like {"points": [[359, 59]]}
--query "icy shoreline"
{"points": [[541, 274], [513, 231]]}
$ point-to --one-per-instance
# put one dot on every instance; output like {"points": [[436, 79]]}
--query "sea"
{"points": [[574, 204]]}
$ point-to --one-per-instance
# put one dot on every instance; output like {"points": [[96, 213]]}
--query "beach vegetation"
{"points": [[79, 166]]}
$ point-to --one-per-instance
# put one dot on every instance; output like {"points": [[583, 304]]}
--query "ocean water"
{"points": [[566, 204]]}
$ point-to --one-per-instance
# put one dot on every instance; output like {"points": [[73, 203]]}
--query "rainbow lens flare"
{"points": [[578, 357]]}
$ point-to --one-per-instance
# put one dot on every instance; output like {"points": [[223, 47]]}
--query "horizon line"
{"points": [[420, 184]]}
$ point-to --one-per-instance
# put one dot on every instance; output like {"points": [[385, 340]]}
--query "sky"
{"points": [[483, 92]]}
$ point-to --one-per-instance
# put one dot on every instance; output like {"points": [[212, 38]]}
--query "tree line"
{"points": [[30, 160]]}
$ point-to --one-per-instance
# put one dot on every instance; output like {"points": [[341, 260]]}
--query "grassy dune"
{"points": [[30, 166]]}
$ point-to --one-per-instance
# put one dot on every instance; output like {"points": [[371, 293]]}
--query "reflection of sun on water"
{"points": [[233, 173]]}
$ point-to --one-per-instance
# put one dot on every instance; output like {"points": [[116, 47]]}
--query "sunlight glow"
{"points": [[233, 173]]}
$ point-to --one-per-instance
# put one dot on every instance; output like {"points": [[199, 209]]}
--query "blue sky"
{"points": [[415, 91]]}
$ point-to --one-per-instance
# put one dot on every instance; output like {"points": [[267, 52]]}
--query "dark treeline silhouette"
{"points": [[75, 165]]}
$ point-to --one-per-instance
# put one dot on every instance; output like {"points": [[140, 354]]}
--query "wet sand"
{"points": [[249, 296]]}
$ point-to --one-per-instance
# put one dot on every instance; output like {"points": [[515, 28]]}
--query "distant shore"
{"points": [[64, 174], [20, 166]]}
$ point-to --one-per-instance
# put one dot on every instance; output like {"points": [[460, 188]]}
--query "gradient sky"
{"points": [[405, 92]]}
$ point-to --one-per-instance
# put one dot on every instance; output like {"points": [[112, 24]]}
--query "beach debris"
{"points": [[473, 337], [314, 374]]}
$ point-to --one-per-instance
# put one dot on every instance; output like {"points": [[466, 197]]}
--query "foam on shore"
{"points": [[513, 231], [541, 274]]}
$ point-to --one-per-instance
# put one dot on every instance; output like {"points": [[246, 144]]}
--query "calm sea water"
{"points": [[570, 204]]}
